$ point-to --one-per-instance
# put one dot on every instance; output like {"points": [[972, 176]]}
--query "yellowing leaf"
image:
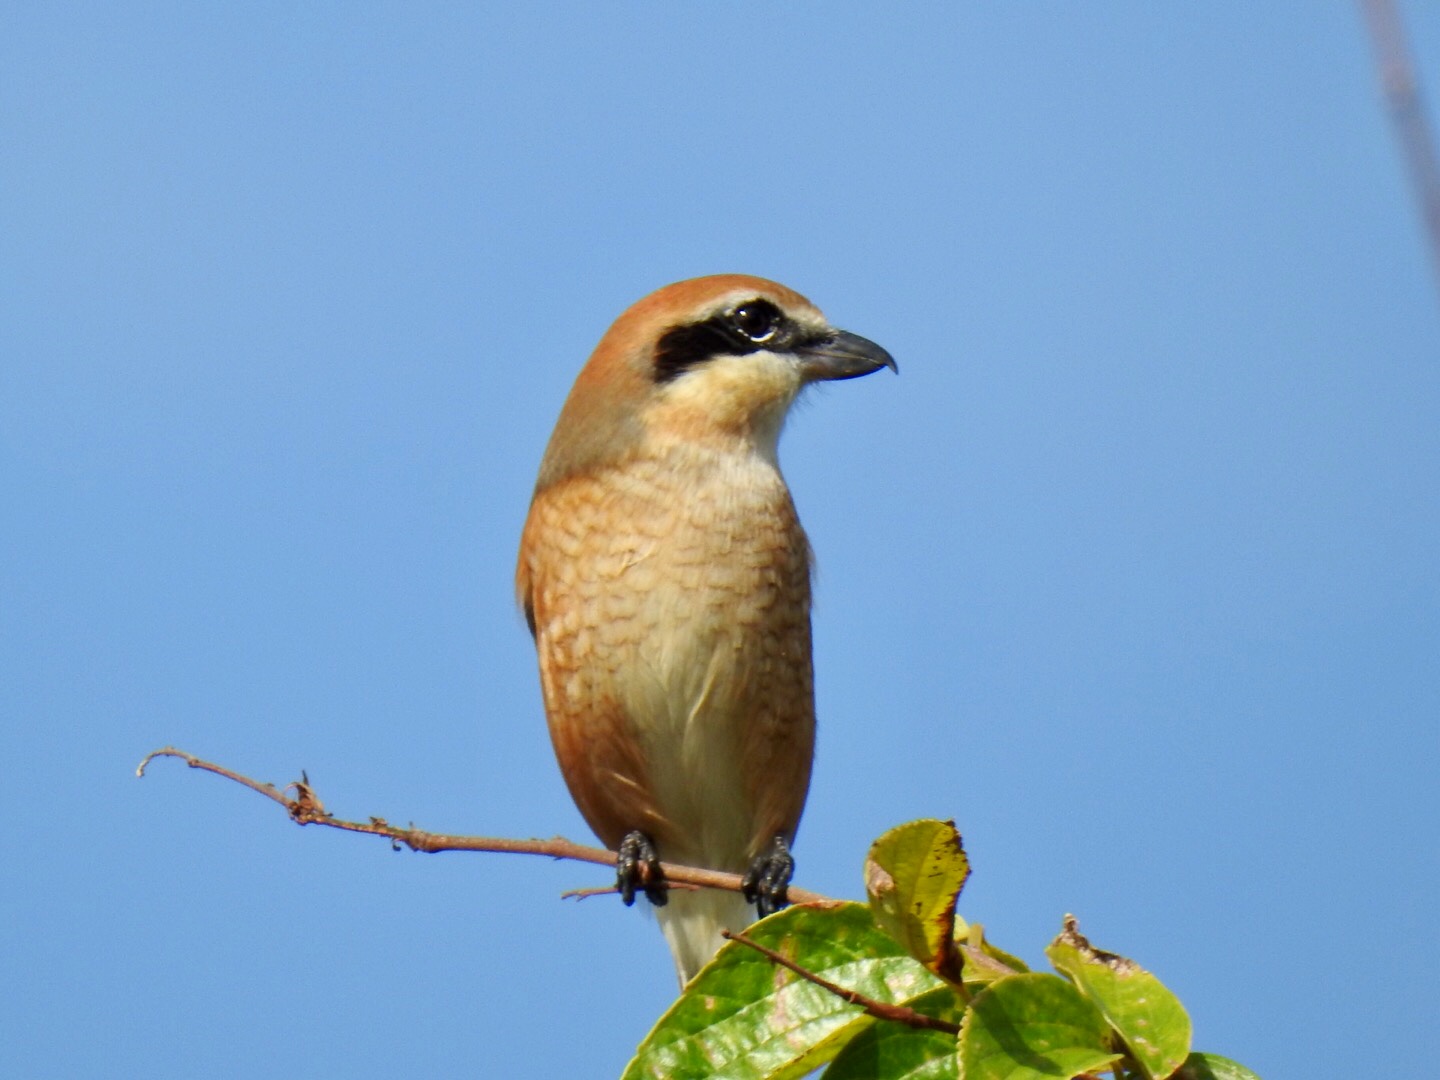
{"points": [[913, 875], [1137, 1005]]}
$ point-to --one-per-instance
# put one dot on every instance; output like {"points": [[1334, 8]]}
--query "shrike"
{"points": [[666, 580]]}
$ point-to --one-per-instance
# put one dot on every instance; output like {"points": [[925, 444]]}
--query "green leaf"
{"points": [[1213, 1067], [1147, 1016], [914, 875], [899, 1052], [984, 962], [746, 1017], [1032, 1026]]}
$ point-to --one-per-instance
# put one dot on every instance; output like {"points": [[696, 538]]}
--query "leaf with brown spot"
{"points": [[913, 875], [1137, 1005]]}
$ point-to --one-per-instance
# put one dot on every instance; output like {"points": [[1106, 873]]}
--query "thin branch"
{"points": [[881, 1010], [614, 890], [586, 894], [1407, 113], [305, 808]]}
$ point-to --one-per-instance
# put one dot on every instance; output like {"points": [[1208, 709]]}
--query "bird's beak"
{"points": [[843, 356]]}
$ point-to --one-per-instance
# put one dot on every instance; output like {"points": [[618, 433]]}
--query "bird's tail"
{"points": [[692, 921]]}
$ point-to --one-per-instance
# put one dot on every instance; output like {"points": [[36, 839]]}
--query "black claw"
{"points": [[768, 878], [637, 865]]}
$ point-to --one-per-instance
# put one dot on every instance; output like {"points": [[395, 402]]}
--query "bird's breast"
{"points": [[671, 603], [649, 577]]}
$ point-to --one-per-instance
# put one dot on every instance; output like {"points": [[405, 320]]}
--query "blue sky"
{"points": [[1133, 571]]}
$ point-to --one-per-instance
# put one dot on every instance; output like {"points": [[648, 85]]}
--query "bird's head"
{"points": [[712, 360]]}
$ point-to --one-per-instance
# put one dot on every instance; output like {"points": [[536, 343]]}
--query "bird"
{"points": [[665, 579]]}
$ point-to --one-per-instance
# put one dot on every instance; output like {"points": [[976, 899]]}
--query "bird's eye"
{"points": [[756, 319]]}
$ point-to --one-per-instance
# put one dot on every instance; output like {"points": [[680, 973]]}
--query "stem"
{"points": [[305, 808], [881, 1010]]}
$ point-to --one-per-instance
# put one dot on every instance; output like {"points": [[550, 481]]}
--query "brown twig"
{"points": [[881, 1010], [305, 808], [586, 894], [1407, 113], [614, 890]]}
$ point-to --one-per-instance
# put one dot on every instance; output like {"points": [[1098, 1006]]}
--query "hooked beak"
{"points": [[842, 355]]}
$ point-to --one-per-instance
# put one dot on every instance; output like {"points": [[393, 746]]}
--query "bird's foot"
{"points": [[637, 866], [768, 878]]}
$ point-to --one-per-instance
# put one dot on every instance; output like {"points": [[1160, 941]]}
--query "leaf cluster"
{"points": [[902, 987]]}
